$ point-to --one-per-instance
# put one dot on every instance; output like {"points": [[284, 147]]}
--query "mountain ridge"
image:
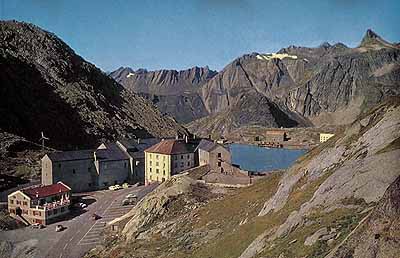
{"points": [[47, 87]]}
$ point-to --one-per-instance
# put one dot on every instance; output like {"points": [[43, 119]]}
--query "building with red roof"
{"points": [[40, 204]]}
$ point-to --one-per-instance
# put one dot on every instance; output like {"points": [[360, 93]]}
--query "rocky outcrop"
{"points": [[379, 235], [46, 87]]}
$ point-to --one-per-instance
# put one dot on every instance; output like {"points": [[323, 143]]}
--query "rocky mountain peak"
{"points": [[371, 38]]}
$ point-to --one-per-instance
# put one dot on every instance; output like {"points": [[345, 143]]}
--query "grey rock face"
{"points": [[46, 87], [173, 92]]}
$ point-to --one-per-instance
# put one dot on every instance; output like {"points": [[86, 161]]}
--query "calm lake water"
{"points": [[254, 158]]}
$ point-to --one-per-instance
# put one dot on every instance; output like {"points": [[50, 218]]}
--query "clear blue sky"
{"points": [[177, 34]]}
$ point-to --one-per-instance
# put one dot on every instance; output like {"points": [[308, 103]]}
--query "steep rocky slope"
{"points": [[379, 234], [330, 84], [46, 87], [332, 201], [173, 92]]}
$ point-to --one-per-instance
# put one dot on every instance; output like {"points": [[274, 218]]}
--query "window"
{"points": [[88, 169], [25, 203], [164, 172], [156, 156], [18, 202], [59, 165], [182, 164], [181, 156], [25, 212], [151, 178], [219, 155], [163, 157], [115, 182], [219, 164], [157, 164], [125, 165], [55, 211], [73, 171], [150, 162], [62, 209], [150, 155], [163, 179], [189, 164], [157, 170], [89, 184], [176, 157], [175, 165], [11, 201], [50, 212], [150, 169], [188, 156], [163, 165]]}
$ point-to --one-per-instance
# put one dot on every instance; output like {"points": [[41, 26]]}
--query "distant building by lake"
{"points": [[323, 137]]}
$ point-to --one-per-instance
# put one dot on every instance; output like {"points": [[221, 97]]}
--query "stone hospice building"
{"points": [[168, 158], [88, 170], [171, 157], [40, 204]]}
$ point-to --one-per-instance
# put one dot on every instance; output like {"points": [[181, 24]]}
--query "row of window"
{"points": [[182, 164], [157, 171], [156, 178], [175, 157], [19, 202], [157, 164]]}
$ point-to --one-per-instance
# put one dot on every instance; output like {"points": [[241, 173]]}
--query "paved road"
{"points": [[82, 233]]}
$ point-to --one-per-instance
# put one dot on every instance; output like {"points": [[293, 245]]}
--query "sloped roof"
{"points": [[134, 145], [207, 145], [71, 155], [44, 191], [170, 147], [111, 153]]}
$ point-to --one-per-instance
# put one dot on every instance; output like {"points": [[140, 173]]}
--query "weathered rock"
{"points": [[315, 237]]}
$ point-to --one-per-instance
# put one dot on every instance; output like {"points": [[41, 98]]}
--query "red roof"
{"points": [[170, 147], [48, 190]]}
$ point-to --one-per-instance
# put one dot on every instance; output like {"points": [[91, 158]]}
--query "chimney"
{"points": [[186, 139]]}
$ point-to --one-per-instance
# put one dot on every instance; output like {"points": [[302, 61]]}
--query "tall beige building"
{"points": [[167, 158]]}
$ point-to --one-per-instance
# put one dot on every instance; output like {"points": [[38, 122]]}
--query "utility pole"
{"points": [[42, 139]]}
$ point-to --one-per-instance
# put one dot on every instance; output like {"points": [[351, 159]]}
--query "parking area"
{"points": [[114, 210], [81, 231]]}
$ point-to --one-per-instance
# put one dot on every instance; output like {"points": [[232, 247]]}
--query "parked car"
{"points": [[80, 205], [131, 196], [125, 185], [114, 187], [37, 225], [95, 216], [59, 228]]}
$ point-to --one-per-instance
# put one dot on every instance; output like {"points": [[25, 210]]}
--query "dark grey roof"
{"points": [[71, 155], [207, 145], [110, 154], [135, 148]]}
